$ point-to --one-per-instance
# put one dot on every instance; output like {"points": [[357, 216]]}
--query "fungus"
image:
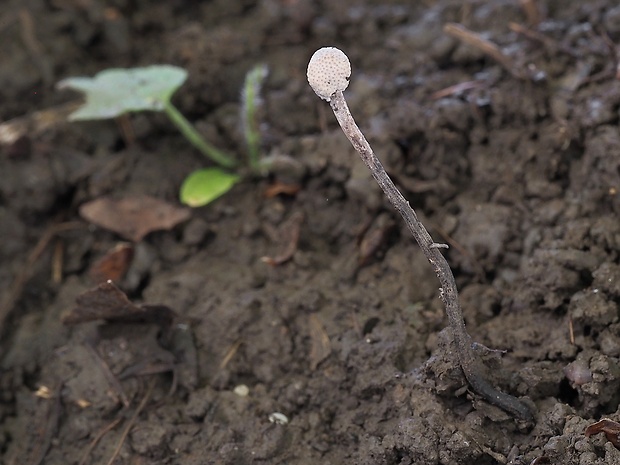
{"points": [[328, 73]]}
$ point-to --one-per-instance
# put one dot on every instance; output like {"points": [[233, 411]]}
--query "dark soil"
{"points": [[517, 169]]}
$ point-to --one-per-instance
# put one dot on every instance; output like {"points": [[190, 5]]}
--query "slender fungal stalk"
{"points": [[196, 139], [323, 81], [468, 359]]}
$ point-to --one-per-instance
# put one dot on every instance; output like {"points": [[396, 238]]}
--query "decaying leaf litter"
{"points": [[521, 174]]}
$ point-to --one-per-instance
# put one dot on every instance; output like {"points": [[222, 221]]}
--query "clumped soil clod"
{"points": [[499, 122]]}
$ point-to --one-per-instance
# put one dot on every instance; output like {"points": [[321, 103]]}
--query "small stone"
{"points": [[242, 390], [278, 418]]}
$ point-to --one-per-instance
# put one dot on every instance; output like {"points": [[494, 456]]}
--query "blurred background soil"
{"points": [[294, 320]]}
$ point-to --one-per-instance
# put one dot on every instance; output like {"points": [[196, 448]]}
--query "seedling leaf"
{"points": [[204, 186], [113, 92]]}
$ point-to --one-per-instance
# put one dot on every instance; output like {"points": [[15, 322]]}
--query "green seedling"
{"points": [[250, 103], [114, 92], [329, 72], [201, 187]]}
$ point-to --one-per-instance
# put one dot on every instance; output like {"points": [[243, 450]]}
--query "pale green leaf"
{"points": [[204, 186], [113, 92]]}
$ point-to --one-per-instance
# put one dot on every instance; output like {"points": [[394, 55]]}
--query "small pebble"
{"points": [[242, 390], [278, 418]]}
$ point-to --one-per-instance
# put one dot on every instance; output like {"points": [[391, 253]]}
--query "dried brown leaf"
{"points": [[133, 217], [113, 265], [609, 427], [278, 188], [108, 302], [320, 345], [289, 232]]}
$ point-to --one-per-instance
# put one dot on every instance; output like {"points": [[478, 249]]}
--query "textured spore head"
{"points": [[329, 71]]}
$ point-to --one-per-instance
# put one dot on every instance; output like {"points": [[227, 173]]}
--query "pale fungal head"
{"points": [[329, 71]]}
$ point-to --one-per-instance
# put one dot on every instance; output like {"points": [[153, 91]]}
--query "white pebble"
{"points": [[242, 390], [278, 418]]}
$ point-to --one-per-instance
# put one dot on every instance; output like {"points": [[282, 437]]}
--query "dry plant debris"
{"points": [[133, 217], [610, 428], [107, 302]]}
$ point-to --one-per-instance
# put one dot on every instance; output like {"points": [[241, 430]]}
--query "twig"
{"points": [[132, 421], [57, 262], [460, 32], [48, 431], [126, 128], [98, 438], [107, 372], [456, 89], [614, 52], [34, 46], [532, 12], [17, 286], [329, 78], [230, 353], [35, 123], [548, 42]]}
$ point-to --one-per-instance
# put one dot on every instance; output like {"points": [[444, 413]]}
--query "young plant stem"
{"points": [[469, 361], [196, 139], [250, 100]]}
